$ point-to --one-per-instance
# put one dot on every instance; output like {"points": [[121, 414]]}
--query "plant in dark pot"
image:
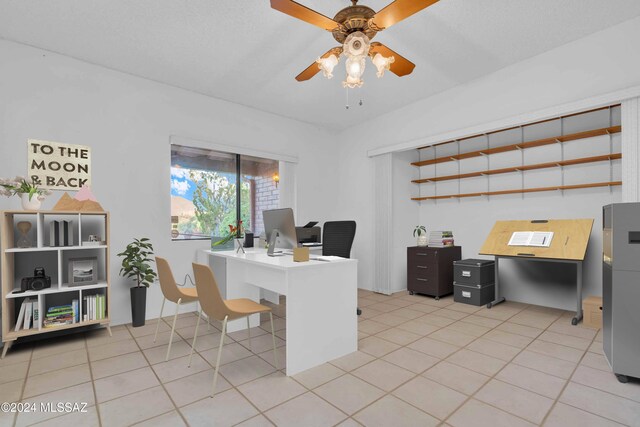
{"points": [[136, 265]]}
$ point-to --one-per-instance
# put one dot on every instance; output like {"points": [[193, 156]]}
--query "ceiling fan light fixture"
{"points": [[382, 63], [327, 65]]}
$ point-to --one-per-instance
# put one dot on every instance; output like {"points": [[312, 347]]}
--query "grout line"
{"points": [[93, 384]]}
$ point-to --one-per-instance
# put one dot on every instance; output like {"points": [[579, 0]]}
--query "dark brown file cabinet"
{"points": [[430, 270]]}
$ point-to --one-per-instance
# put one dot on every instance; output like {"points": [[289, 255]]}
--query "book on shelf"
{"points": [[61, 233], [28, 316], [95, 307]]}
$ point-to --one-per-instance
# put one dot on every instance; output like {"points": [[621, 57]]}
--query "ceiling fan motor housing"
{"points": [[352, 19]]}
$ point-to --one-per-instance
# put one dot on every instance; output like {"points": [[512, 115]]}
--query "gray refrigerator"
{"points": [[621, 288]]}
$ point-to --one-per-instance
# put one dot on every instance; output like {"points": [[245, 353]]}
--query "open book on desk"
{"points": [[541, 239]]}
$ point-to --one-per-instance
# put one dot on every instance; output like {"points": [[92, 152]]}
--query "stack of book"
{"points": [[59, 315], [95, 307], [441, 239]]}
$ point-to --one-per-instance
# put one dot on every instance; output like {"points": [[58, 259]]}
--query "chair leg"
{"points": [[195, 337], [273, 337], [215, 374], [200, 311], [155, 337], [249, 332], [173, 328]]}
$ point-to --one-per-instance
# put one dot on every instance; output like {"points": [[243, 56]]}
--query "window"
{"points": [[205, 197]]}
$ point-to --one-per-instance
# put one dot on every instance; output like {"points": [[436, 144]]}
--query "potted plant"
{"points": [[421, 233], [30, 195], [136, 265]]}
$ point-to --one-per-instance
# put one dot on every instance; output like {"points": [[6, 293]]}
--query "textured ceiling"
{"points": [[245, 52]]}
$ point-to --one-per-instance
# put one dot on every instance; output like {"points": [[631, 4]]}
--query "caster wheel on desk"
{"points": [[489, 305], [437, 298], [358, 311], [411, 293], [622, 378], [574, 321]]}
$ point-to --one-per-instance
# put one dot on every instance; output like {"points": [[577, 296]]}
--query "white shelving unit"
{"points": [[20, 262]]}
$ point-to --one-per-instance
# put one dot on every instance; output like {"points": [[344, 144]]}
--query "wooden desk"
{"points": [[569, 245]]}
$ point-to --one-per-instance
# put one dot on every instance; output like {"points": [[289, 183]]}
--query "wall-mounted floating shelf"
{"points": [[521, 190], [561, 163], [522, 146], [606, 119]]}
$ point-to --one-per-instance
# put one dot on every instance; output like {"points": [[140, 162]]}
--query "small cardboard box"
{"points": [[301, 254], [592, 312]]}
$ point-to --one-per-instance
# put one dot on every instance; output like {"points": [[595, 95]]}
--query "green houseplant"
{"points": [[136, 265], [421, 233]]}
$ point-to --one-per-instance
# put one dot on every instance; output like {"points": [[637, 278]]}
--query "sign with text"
{"points": [[57, 166]]}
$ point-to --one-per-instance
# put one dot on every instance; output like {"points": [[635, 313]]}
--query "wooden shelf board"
{"points": [[521, 190], [55, 289], [522, 145], [13, 335], [518, 127], [571, 162]]}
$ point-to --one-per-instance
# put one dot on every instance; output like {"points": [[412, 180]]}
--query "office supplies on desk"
{"points": [[301, 254], [310, 224], [531, 238]]}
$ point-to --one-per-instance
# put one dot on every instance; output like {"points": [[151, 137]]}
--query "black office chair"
{"points": [[337, 239]]}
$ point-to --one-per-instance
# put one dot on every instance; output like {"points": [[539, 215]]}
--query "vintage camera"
{"points": [[38, 282]]}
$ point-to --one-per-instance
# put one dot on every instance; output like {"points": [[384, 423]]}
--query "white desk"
{"points": [[321, 300]]}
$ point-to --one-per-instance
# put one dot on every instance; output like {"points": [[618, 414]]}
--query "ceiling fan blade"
{"points": [[305, 14], [399, 10], [400, 67], [314, 69]]}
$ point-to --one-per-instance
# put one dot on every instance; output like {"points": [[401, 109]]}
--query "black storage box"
{"points": [[474, 294], [474, 271]]}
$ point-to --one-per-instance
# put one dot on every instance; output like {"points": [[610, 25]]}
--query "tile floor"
{"points": [[421, 363]]}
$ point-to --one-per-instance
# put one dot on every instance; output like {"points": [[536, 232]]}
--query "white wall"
{"points": [[128, 122], [601, 63]]}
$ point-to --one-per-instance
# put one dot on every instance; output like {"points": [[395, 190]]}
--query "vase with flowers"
{"points": [[226, 242], [30, 194]]}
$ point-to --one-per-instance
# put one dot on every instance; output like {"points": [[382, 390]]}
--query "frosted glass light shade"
{"points": [[327, 65], [355, 68], [382, 63]]}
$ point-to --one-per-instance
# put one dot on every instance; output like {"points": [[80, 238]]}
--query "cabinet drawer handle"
{"points": [[422, 280], [422, 266], [421, 254]]}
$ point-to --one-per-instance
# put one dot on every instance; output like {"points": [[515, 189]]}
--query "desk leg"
{"points": [[498, 299], [578, 317]]}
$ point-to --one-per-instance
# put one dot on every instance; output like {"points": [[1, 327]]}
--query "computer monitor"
{"points": [[280, 229]]}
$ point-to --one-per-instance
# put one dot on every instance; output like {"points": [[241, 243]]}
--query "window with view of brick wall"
{"points": [[204, 196]]}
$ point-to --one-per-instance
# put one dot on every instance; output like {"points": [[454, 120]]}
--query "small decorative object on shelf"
{"points": [[136, 264], [84, 201], [83, 271], [94, 240], [30, 195], [37, 282], [421, 233], [23, 241], [61, 233]]}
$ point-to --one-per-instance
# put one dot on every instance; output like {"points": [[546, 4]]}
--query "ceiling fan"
{"points": [[354, 27]]}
